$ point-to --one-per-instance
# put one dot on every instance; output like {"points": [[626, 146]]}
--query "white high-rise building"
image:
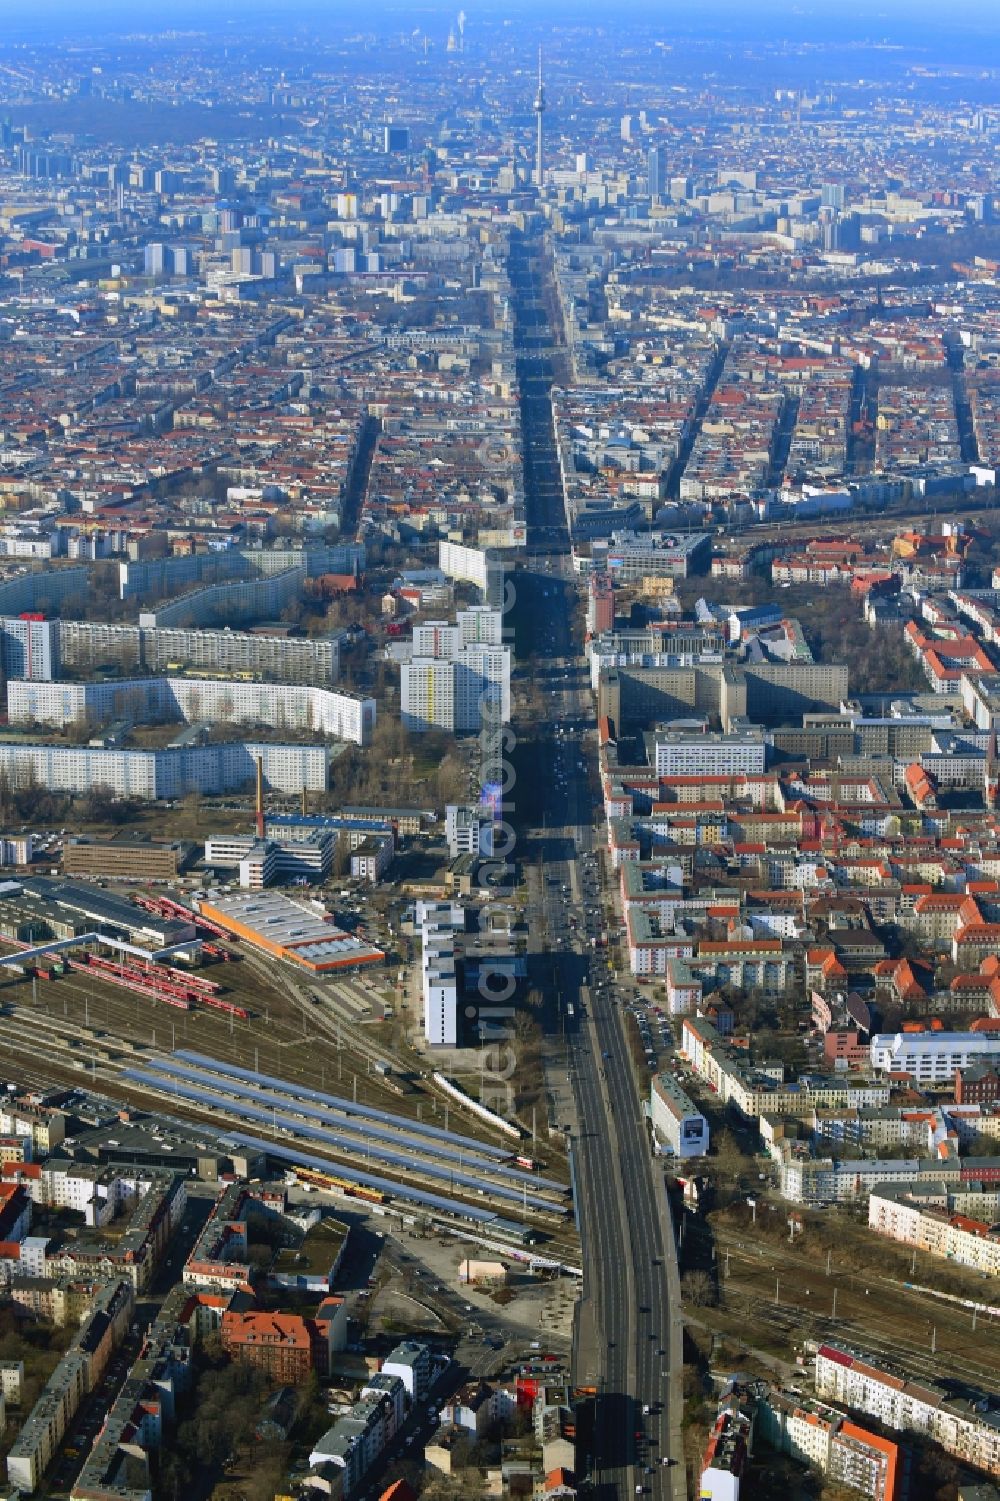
{"points": [[480, 626], [427, 694], [29, 647], [437, 638], [477, 626], [474, 565], [452, 667], [439, 694], [482, 673], [462, 827], [438, 923], [339, 713]]}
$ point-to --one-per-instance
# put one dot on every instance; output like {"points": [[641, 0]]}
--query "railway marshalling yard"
{"points": [[303, 1076]]}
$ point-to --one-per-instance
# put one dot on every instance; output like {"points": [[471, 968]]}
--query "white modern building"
{"points": [[473, 565], [448, 694], [683, 755], [337, 713], [29, 647], [171, 772], [931, 1057], [676, 1121], [438, 924], [261, 862], [462, 826], [414, 1365], [285, 659]]}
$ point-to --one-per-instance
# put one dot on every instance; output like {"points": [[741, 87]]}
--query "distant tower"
{"points": [[461, 31], [539, 108]]}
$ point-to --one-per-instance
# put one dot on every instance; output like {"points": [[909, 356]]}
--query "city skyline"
{"points": [[499, 761]]}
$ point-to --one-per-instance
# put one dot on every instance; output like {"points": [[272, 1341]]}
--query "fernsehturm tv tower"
{"points": [[539, 108]]}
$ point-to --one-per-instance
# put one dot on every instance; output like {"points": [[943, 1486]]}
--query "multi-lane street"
{"points": [[628, 1344]]}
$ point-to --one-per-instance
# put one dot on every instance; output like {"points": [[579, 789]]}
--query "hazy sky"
{"points": [[913, 12], [947, 30]]}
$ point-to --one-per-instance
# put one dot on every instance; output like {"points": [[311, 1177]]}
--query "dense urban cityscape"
{"points": [[500, 662]]}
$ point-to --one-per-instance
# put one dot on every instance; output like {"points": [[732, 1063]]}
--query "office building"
{"points": [[680, 755], [462, 829], [264, 862], [154, 259], [656, 173], [600, 604], [124, 859], [395, 138], [931, 1057], [631, 556], [438, 924], [676, 1122]]}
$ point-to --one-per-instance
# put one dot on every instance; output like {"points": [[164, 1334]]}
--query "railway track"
{"points": [[74, 1057], [142, 1023], [862, 1318], [316, 1049], [862, 522], [107, 1079]]}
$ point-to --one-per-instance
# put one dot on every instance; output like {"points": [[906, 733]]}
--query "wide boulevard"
{"points": [[628, 1339]]}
